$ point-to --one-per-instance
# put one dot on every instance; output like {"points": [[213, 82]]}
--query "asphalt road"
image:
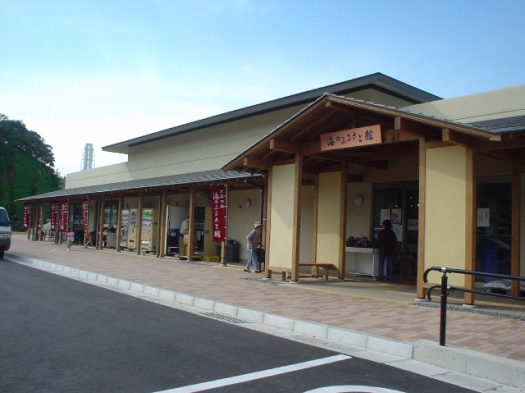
{"points": [[62, 335]]}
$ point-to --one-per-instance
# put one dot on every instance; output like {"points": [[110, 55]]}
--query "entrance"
{"points": [[399, 202], [494, 228]]}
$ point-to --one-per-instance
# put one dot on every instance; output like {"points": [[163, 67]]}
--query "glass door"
{"points": [[399, 203]]}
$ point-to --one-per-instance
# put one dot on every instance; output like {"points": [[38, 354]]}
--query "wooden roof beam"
{"points": [[253, 162], [509, 141], [284, 146], [457, 138]]}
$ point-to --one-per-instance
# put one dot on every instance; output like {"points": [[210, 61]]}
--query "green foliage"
{"points": [[26, 165]]}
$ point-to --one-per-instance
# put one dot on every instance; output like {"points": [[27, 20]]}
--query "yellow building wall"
{"points": [[281, 215], [329, 218], [445, 210]]}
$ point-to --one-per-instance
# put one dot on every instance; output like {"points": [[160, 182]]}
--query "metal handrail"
{"points": [[446, 289]]}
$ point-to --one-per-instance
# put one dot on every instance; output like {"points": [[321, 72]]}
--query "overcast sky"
{"points": [[104, 71]]}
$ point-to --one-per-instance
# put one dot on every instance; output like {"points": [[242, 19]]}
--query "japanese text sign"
{"points": [[27, 215], [85, 214], [218, 205], [351, 138], [64, 208], [54, 216]]}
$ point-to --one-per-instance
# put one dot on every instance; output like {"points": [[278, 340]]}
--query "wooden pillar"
{"points": [[342, 222], [161, 252], [119, 220], [267, 243], [470, 225], [421, 292], [138, 236], [315, 219], [296, 246], [516, 217], [100, 237], [191, 234]]}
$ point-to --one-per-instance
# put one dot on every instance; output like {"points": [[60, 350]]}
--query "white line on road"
{"points": [[256, 375]]}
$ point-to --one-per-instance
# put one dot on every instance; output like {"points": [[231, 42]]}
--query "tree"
{"points": [[26, 164]]}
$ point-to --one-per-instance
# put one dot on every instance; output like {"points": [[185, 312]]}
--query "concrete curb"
{"points": [[505, 371]]}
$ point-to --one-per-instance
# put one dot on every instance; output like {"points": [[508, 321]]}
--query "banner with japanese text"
{"points": [[85, 214], [27, 215], [54, 215], [218, 206], [39, 217], [64, 208]]}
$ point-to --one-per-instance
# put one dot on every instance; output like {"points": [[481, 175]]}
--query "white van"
{"points": [[5, 232]]}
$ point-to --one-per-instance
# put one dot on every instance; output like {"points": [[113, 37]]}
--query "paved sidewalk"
{"points": [[376, 309]]}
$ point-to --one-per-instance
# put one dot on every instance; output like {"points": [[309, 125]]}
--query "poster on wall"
{"points": [[218, 200], [483, 217], [85, 214], [64, 207], [396, 218], [54, 215], [27, 215]]}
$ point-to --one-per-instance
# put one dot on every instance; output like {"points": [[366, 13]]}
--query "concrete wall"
{"points": [[329, 218], [445, 221], [282, 201], [201, 150], [476, 107]]}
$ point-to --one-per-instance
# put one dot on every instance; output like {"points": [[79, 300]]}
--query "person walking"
{"points": [[253, 241], [386, 243], [70, 238]]}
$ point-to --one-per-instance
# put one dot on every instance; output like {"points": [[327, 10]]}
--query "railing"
{"points": [[446, 289]]}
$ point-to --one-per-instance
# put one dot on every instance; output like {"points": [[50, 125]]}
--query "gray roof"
{"points": [[378, 81], [502, 125], [163, 181]]}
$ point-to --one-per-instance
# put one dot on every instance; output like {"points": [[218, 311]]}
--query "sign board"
{"points": [[354, 137]]}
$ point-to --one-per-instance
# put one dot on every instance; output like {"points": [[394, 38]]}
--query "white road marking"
{"points": [[352, 389], [256, 375]]}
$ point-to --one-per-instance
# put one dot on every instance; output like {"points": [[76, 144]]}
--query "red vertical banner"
{"points": [[39, 217], [85, 214], [64, 208], [54, 216], [218, 206], [27, 215]]}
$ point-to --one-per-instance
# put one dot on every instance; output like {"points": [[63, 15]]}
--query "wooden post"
{"points": [[516, 215], [421, 218], [470, 224], [342, 222], [267, 244], [162, 223], [191, 234], [119, 220], [100, 237], [138, 235], [298, 176]]}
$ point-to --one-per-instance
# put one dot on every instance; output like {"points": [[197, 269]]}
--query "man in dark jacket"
{"points": [[386, 243]]}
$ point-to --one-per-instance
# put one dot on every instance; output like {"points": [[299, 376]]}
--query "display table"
{"points": [[363, 260]]}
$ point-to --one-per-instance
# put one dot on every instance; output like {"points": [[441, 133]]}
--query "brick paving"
{"points": [[380, 309]]}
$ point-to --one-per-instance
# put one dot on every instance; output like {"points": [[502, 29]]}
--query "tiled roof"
{"points": [[163, 181]]}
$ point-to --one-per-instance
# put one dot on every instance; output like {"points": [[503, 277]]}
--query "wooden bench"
{"points": [[326, 266]]}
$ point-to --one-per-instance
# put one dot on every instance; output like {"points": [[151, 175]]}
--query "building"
{"points": [[323, 166]]}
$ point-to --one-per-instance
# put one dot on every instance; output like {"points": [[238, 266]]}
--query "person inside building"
{"points": [[253, 241], [386, 243], [183, 239]]}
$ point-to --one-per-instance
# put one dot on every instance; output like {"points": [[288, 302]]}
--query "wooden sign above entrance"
{"points": [[351, 138]]}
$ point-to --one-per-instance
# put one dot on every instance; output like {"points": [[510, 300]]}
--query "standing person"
{"points": [[253, 241], [183, 240], [70, 238], [386, 242]]}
